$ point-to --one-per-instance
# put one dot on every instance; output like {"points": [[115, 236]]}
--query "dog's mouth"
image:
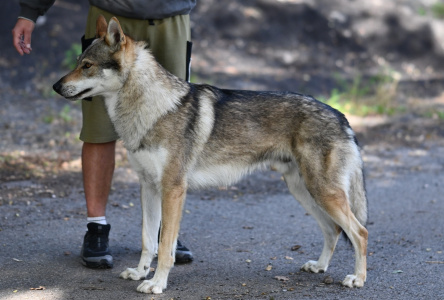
{"points": [[79, 95], [63, 90]]}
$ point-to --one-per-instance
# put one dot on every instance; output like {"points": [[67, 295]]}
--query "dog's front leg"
{"points": [[173, 197], [151, 212]]}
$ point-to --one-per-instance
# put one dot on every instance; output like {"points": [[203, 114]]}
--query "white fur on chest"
{"points": [[111, 103], [149, 164]]}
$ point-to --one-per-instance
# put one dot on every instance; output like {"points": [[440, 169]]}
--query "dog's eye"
{"points": [[87, 65]]}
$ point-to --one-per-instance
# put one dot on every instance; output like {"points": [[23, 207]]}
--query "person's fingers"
{"points": [[21, 35], [27, 40], [17, 41], [26, 47]]}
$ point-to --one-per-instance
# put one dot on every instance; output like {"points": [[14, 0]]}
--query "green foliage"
{"points": [[71, 55], [362, 97], [438, 10], [48, 119], [64, 115], [422, 11], [434, 114]]}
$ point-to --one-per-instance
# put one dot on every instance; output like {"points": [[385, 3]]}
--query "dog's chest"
{"points": [[149, 162], [111, 104]]}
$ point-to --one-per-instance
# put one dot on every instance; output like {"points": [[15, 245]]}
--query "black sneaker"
{"points": [[95, 250], [183, 254]]}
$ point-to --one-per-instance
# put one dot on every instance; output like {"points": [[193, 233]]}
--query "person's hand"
{"points": [[21, 36]]}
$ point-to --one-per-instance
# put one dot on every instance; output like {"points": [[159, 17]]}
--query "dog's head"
{"points": [[99, 68]]}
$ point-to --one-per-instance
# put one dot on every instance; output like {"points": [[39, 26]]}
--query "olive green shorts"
{"points": [[168, 40]]}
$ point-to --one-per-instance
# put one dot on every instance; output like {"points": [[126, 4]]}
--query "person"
{"points": [[165, 25]]}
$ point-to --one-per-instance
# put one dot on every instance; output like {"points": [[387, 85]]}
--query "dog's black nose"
{"points": [[57, 86]]}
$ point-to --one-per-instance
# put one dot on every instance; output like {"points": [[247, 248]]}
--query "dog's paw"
{"points": [[313, 267], [150, 286], [353, 281], [133, 274]]}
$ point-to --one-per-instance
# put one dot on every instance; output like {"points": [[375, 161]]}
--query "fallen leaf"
{"points": [[282, 278], [93, 288], [328, 280], [289, 257], [248, 260], [295, 247], [242, 250], [268, 268], [40, 288]]}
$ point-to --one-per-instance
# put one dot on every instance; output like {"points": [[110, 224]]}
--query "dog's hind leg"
{"points": [[337, 206], [331, 233], [173, 199], [329, 229], [151, 212]]}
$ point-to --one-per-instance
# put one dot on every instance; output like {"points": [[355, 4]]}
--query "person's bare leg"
{"points": [[98, 167], [98, 161]]}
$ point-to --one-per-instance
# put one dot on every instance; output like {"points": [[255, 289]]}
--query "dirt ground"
{"points": [[297, 45]]}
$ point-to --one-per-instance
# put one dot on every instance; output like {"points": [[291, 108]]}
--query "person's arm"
{"points": [[30, 10]]}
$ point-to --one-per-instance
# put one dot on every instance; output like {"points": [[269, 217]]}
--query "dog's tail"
{"points": [[358, 196]]}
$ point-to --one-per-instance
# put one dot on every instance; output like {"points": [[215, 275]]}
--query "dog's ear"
{"points": [[114, 36], [101, 27]]}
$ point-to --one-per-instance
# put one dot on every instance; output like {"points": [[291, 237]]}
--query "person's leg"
{"points": [[97, 167], [98, 161]]}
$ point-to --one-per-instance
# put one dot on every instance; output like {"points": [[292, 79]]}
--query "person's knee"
{"points": [[107, 145], [99, 150]]}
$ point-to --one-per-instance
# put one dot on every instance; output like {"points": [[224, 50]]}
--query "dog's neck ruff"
{"points": [[149, 92]]}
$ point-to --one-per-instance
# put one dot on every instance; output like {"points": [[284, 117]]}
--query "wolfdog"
{"points": [[181, 135]]}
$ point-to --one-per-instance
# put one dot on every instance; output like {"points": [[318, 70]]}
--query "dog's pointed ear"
{"points": [[114, 35], [101, 27]]}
